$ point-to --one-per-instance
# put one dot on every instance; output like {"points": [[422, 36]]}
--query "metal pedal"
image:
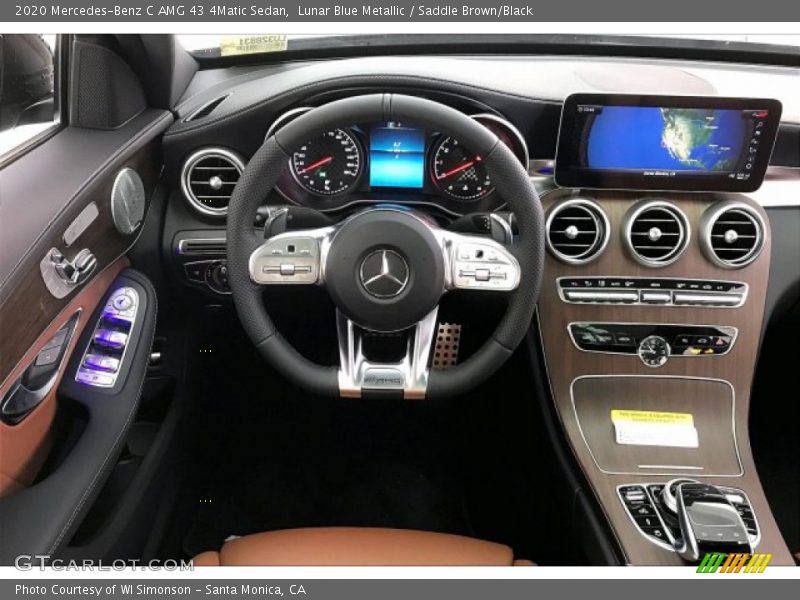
{"points": [[445, 352]]}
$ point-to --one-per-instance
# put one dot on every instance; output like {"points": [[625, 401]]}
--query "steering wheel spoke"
{"points": [[476, 262], [291, 258], [407, 377]]}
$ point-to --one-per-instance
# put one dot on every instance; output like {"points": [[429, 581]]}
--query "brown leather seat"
{"points": [[348, 546]]}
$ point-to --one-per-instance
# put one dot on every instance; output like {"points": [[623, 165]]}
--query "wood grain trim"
{"points": [[710, 402], [565, 362], [26, 305], [23, 447]]}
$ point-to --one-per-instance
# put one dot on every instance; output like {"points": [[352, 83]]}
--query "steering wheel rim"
{"points": [[510, 180]]}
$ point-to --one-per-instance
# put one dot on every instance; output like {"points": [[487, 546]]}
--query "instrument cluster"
{"points": [[393, 161]]}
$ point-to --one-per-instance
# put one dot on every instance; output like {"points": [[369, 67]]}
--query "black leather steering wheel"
{"points": [[385, 268]]}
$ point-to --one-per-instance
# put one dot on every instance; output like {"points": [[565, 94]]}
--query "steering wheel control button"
{"points": [[484, 266], [654, 351], [384, 273], [287, 258]]}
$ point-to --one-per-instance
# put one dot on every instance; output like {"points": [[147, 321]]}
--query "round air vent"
{"points": [[732, 234], [577, 230], [208, 178], [656, 233]]}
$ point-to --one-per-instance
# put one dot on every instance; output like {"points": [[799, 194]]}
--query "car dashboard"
{"points": [[652, 300]]}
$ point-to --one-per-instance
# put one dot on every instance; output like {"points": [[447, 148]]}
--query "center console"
{"points": [[650, 317]]}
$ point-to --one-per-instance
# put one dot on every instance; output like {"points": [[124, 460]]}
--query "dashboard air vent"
{"points": [[208, 178], [656, 233], [206, 109], [577, 230], [733, 234]]}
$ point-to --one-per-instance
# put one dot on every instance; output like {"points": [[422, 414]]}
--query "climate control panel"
{"points": [[652, 291]]}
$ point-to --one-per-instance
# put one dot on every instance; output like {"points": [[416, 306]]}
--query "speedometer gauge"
{"points": [[459, 173], [330, 164]]}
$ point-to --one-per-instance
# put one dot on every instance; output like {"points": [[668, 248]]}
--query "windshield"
{"points": [[214, 46]]}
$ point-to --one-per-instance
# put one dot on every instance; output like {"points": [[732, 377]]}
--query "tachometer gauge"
{"points": [[458, 172], [328, 165]]}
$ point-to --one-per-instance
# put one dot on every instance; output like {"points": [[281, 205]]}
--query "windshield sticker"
{"points": [[253, 44]]}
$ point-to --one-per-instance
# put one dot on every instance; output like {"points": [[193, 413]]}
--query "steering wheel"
{"points": [[385, 268]]}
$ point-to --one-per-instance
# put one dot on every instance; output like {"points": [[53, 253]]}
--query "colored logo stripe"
{"points": [[734, 563]]}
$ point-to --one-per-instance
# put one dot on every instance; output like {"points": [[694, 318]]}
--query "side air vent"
{"points": [[208, 178], [577, 231], [656, 233], [206, 109], [732, 234]]}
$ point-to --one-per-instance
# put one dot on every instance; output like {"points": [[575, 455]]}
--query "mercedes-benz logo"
{"points": [[384, 273]]}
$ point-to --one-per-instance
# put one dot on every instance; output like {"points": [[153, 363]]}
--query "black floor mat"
{"points": [[299, 462], [263, 456]]}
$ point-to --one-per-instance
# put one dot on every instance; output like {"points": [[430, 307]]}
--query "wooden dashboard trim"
{"points": [[565, 362], [26, 305]]}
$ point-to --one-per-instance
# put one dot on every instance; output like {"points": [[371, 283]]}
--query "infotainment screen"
{"points": [[396, 156], [665, 142]]}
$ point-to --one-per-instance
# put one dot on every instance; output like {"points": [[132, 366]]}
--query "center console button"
{"points": [[702, 341], [656, 297], [624, 339], [700, 299]]}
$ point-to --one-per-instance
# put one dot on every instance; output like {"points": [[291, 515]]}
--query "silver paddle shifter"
{"points": [[708, 522]]}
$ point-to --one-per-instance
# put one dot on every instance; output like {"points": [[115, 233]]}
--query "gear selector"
{"points": [[708, 522]]}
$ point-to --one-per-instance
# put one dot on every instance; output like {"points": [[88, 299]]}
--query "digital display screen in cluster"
{"points": [[396, 156]]}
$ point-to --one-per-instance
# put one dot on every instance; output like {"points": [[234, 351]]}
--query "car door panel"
{"points": [[24, 445], [26, 305], [32, 522]]}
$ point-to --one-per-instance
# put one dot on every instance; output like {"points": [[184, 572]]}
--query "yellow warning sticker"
{"points": [[654, 428], [253, 44], [649, 416]]}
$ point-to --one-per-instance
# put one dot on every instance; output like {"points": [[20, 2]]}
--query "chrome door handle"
{"points": [[74, 272]]}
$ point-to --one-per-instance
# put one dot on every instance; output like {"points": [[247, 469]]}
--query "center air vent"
{"points": [[656, 233], [208, 178], [732, 234], [577, 230]]}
